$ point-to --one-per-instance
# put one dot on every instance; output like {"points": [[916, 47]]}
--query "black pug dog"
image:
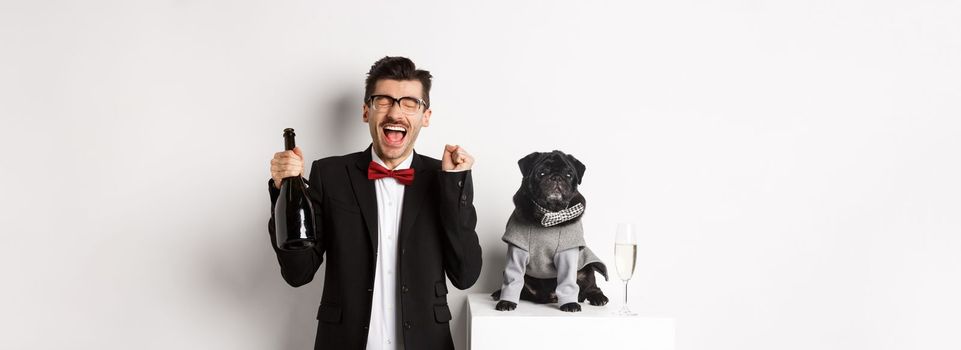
{"points": [[545, 238]]}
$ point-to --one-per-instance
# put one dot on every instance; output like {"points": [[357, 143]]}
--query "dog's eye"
{"points": [[542, 174], [568, 174]]}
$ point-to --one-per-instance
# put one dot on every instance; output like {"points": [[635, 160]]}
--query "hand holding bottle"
{"points": [[286, 164], [293, 215]]}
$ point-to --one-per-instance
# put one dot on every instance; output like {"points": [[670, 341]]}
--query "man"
{"points": [[388, 237]]}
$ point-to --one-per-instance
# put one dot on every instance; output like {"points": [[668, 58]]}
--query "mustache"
{"points": [[400, 122]]}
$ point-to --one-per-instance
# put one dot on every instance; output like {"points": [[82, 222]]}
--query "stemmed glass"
{"points": [[625, 256]]}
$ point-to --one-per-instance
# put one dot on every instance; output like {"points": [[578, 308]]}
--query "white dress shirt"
{"points": [[382, 333]]}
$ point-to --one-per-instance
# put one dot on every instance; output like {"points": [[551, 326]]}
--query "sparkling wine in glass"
{"points": [[625, 257]]}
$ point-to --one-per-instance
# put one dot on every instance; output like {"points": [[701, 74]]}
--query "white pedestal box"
{"points": [[544, 327]]}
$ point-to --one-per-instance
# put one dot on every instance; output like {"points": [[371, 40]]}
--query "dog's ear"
{"points": [[578, 166], [527, 163]]}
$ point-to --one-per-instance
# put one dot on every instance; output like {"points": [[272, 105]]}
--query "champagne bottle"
{"points": [[293, 211]]}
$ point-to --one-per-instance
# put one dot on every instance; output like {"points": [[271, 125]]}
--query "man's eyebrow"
{"points": [[385, 94]]}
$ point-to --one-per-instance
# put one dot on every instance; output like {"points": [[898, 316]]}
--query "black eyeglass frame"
{"points": [[420, 102]]}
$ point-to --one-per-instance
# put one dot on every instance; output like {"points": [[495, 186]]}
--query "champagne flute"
{"points": [[625, 256]]}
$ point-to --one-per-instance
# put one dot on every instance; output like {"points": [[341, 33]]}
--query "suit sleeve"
{"points": [[298, 267], [462, 252]]}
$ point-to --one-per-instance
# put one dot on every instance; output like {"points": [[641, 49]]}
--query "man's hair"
{"points": [[397, 68]]}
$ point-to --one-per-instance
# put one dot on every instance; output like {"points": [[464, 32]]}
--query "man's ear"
{"points": [[426, 121], [527, 163], [366, 111], [577, 166]]}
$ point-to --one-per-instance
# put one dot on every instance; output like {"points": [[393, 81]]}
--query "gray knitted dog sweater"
{"points": [[542, 243]]}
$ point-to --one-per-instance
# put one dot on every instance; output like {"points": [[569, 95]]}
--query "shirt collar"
{"points": [[403, 165]]}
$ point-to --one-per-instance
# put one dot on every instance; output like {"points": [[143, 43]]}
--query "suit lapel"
{"points": [[365, 194], [413, 196]]}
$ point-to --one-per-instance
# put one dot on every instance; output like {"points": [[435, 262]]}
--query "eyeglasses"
{"points": [[408, 105]]}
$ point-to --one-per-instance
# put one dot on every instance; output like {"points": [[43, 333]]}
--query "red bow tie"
{"points": [[376, 171]]}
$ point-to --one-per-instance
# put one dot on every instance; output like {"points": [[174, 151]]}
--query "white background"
{"points": [[793, 165]]}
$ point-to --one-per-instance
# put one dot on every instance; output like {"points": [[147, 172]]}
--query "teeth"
{"points": [[395, 128]]}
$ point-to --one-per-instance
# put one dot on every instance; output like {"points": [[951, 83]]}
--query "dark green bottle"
{"points": [[293, 212]]}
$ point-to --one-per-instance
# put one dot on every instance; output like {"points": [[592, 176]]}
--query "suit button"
{"points": [[407, 324], [402, 251], [370, 290], [403, 289], [460, 183], [366, 327]]}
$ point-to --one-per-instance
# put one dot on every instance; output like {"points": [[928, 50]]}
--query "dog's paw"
{"points": [[505, 305], [597, 299], [571, 307], [496, 295]]}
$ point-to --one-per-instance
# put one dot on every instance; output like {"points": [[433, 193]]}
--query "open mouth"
{"points": [[394, 134]]}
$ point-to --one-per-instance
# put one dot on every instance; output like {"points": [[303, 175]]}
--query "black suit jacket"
{"points": [[436, 238]]}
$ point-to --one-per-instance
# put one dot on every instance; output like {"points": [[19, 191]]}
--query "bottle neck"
{"points": [[289, 139]]}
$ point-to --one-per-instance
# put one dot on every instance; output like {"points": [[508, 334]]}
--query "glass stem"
{"points": [[625, 293]]}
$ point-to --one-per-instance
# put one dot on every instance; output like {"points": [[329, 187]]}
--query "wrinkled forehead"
{"points": [[553, 161], [399, 88]]}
